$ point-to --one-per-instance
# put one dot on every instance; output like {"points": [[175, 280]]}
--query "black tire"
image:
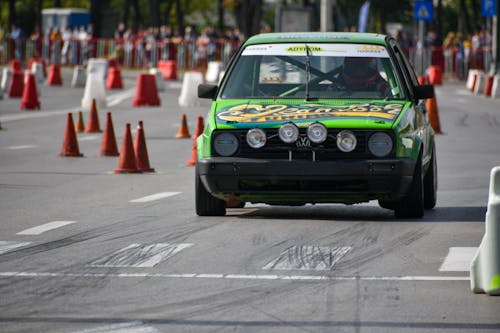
{"points": [[430, 183], [206, 204], [412, 205]]}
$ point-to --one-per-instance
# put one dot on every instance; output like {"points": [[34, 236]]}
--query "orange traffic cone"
{"points": [[30, 95], [16, 87], [80, 125], [192, 160], [108, 144], [146, 92], [70, 142], [199, 127], [54, 78], [183, 131], [93, 120], [114, 80], [432, 109], [127, 162], [140, 149]]}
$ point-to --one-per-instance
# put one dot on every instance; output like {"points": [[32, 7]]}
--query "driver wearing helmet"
{"points": [[361, 74]]}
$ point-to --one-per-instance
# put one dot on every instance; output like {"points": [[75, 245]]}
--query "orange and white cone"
{"points": [[140, 149], [127, 162], [70, 143], [108, 144], [93, 120], [183, 132]]}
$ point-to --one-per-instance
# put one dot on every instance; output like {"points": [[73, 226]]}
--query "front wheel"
{"points": [[206, 204], [412, 204]]}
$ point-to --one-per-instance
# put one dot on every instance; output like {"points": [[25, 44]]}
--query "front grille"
{"points": [[326, 151]]}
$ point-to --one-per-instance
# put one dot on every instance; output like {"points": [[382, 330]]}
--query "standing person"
{"points": [[17, 35]]}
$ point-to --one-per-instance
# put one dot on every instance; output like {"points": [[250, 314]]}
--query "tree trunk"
{"points": [[12, 14], [170, 3], [180, 16], [137, 17], [154, 6], [248, 24], [95, 16], [476, 15], [439, 20], [126, 6], [464, 16]]}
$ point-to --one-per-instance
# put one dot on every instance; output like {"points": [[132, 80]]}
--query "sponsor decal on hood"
{"points": [[262, 113]]}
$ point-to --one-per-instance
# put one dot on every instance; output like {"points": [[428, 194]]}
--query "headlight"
{"points": [[317, 133], [380, 144], [225, 144], [256, 138], [288, 133], [346, 141]]}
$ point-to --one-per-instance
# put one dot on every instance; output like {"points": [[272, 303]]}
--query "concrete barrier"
{"points": [[480, 83], [160, 85], [6, 79], [495, 89], [79, 78], [213, 71], [94, 89], [485, 267], [189, 90], [471, 79], [98, 65]]}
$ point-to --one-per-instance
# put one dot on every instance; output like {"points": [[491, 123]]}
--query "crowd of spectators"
{"points": [[471, 51]]}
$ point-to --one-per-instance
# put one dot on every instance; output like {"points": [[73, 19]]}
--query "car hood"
{"points": [[245, 114]]}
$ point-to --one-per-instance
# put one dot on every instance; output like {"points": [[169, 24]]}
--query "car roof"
{"points": [[318, 37]]}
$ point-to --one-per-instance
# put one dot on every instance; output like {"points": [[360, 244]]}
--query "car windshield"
{"points": [[313, 71]]}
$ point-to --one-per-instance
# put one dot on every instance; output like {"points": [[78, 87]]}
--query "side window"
{"points": [[402, 62]]}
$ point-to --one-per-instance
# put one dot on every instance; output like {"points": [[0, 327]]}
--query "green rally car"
{"points": [[317, 118]]}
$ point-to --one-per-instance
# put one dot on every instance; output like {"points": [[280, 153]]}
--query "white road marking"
{"points": [[112, 100], [116, 99], [89, 138], [240, 211], [129, 327], [140, 255], [45, 227], [458, 259], [308, 258], [9, 246], [272, 277], [154, 197], [21, 147]]}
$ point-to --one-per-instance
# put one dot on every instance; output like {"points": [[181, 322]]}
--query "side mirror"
{"points": [[207, 90], [424, 91]]}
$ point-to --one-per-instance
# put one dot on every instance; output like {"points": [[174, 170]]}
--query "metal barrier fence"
{"points": [[192, 54], [188, 54]]}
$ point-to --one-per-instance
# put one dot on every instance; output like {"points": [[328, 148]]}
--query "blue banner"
{"points": [[363, 16]]}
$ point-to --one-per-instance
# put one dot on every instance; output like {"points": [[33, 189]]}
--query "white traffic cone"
{"points": [[485, 267]]}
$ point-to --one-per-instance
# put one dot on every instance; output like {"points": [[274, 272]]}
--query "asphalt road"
{"points": [[86, 250]]}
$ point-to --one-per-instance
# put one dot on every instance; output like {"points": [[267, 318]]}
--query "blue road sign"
{"points": [[423, 11], [488, 7]]}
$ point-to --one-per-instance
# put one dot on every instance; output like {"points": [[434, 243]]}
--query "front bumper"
{"points": [[302, 181]]}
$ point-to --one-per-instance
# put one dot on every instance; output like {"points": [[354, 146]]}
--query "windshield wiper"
{"points": [[308, 71]]}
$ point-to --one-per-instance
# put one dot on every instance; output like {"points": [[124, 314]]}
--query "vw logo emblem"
{"points": [[303, 142]]}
